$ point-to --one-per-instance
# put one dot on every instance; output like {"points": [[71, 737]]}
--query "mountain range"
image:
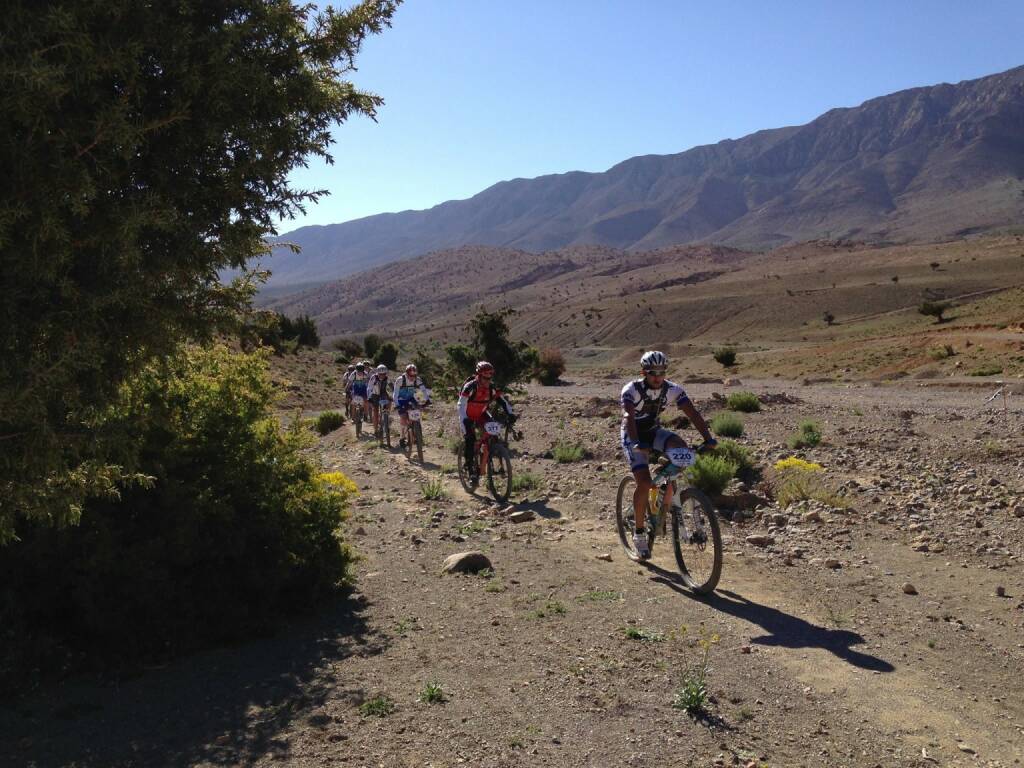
{"points": [[918, 165]]}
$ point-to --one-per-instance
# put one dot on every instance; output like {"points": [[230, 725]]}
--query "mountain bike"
{"points": [[491, 452], [383, 432], [412, 432], [696, 533]]}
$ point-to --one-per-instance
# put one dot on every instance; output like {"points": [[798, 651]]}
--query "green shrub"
{"points": [[371, 343], [565, 452], [550, 366], [432, 693], [746, 402], [433, 489], [328, 421], [387, 355], [711, 473], [736, 454], [727, 425], [941, 353], [349, 349], [237, 528], [378, 706], [986, 370], [934, 309], [808, 435], [524, 481], [726, 356]]}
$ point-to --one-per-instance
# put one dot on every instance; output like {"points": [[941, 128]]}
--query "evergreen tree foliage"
{"points": [[371, 343], [147, 148], [387, 354]]}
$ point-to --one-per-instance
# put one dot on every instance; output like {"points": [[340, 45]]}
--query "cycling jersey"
{"points": [[357, 383], [648, 404], [378, 386], [405, 391], [476, 396]]}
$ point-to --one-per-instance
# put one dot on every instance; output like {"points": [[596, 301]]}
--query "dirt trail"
{"points": [[816, 666]]}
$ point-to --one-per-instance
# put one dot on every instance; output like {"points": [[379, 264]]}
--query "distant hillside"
{"points": [[597, 296], [917, 165]]}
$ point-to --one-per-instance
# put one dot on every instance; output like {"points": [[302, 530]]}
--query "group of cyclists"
{"points": [[642, 399]]}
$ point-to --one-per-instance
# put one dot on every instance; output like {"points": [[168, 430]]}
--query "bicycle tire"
{"points": [[418, 430], [625, 518], [407, 440], [385, 427], [698, 574], [467, 485], [499, 465], [358, 420]]}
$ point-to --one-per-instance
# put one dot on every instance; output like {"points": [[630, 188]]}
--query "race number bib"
{"points": [[682, 457], [414, 415], [492, 428], [357, 400]]}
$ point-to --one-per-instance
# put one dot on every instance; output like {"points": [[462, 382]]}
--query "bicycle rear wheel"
{"points": [[499, 473], [697, 541], [625, 517]]}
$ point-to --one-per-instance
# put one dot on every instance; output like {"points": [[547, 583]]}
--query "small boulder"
{"points": [[760, 540], [466, 562], [606, 556], [833, 563], [521, 516], [812, 517], [909, 589]]}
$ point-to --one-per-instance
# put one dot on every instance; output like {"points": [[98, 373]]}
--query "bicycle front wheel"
{"points": [[467, 483], [385, 427], [625, 517], [499, 473], [697, 541], [417, 429]]}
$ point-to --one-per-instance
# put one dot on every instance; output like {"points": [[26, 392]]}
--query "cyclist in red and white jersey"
{"points": [[475, 400]]}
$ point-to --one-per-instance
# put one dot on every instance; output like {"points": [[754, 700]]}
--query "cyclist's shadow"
{"points": [[784, 630]]}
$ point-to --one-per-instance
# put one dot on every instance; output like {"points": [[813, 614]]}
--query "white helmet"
{"points": [[382, 368], [653, 359]]}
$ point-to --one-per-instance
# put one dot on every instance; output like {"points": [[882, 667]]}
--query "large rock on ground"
{"points": [[466, 562]]}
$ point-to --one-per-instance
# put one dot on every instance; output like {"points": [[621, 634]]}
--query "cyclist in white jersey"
{"points": [[642, 402]]}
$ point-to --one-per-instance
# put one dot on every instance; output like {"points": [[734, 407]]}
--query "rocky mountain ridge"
{"points": [[918, 165]]}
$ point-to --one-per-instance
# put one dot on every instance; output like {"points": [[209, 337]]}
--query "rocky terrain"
{"points": [[886, 633], [922, 164]]}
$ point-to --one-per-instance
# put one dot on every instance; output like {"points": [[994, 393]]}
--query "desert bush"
{"points": [[808, 435], [986, 370], [746, 402], [829, 318], [736, 454], [350, 350], [550, 366], [433, 489], [711, 473], [371, 343], [794, 480], [934, 309], [692, 696], [328, 421], [727, 425], [387, 354], [525, 481], [726, 356], [236, 527], [302, 329], [566, 452], [941, 353]]}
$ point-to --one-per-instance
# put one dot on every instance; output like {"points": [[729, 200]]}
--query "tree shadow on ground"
{"points": [[784, 630], [232, 706]]}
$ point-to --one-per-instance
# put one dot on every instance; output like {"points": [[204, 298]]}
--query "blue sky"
{"points": [[478, 91]]}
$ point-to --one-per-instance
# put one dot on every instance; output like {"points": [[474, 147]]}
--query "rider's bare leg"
{"points": [[640, 496]]}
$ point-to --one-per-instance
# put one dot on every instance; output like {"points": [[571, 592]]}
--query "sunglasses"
{"points": [[655, 373]]}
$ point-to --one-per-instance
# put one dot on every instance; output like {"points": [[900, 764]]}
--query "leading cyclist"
{"points": [[642, 402], [475, 399]]}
